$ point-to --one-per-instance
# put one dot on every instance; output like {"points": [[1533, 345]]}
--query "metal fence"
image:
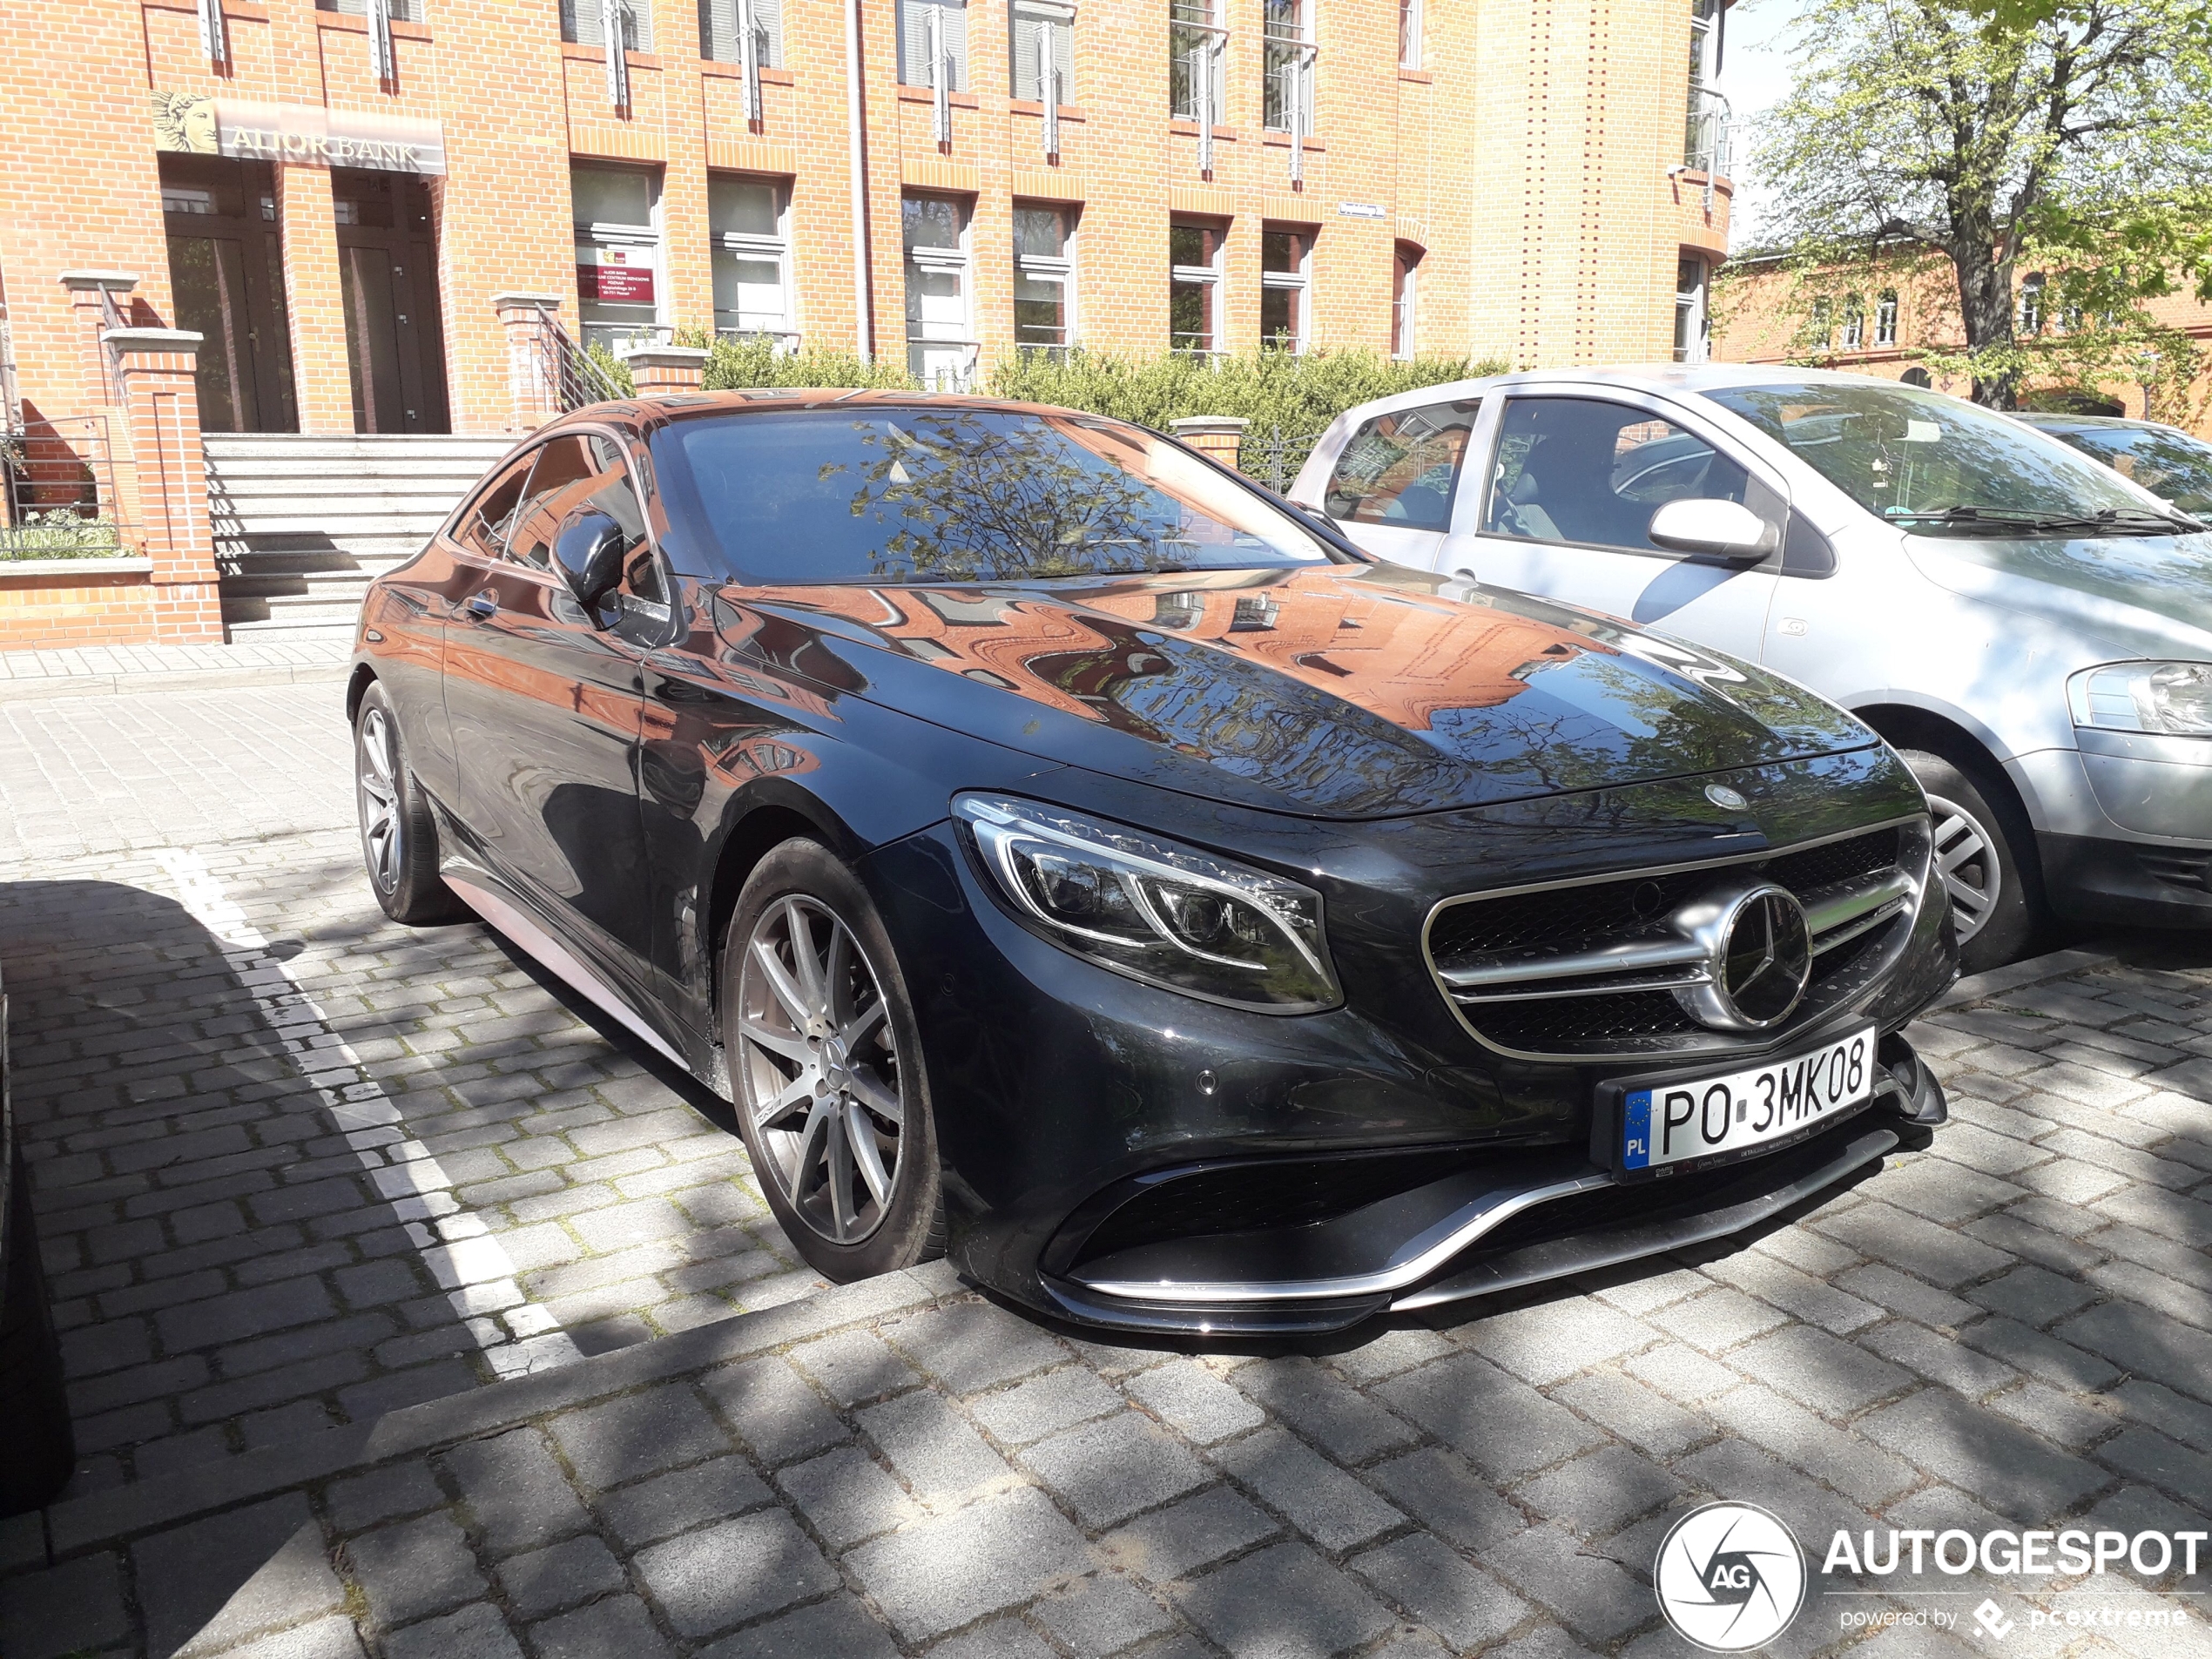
{"points": [[1275, 459], [57, 491], [574, 378]]}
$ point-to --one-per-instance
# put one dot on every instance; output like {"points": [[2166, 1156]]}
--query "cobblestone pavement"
{"points": [[278, 1143]]}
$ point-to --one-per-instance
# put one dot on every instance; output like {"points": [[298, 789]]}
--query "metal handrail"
{"points": [[575, 382]]}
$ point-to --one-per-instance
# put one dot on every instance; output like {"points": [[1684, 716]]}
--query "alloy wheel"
{"points": [[1966, 857], [377, 774], [818, 1068]]}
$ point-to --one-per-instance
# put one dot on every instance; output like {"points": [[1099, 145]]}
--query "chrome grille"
{"points": [[1588, 969]]}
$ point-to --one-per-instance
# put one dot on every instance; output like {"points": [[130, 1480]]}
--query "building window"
{"points": [[1404, 307], [2030, 308], [1044, 274], [1705, 134], [1409, 34], [1689, 311], [940, 353], [584, 22], [1044, 34], [401, 10], [1194, 286], [1286, 55], [1285, 271], [751, 256], [1854, 322], [722, 29], [1885, 318], [1196, 44], [618, 253], [915, 43]]}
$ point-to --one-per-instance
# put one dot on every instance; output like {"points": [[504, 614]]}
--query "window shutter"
{"points": [[768, 18], [1025, 56], [956, 44], [1063, 55], [914, 42], [580, 22], [640, 14], [718, 31]]}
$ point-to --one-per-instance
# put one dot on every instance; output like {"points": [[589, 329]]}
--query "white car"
{"points": [[2031, 630]]}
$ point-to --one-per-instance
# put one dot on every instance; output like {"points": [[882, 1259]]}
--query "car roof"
{"points": [[1658, 378], [654, 411]]}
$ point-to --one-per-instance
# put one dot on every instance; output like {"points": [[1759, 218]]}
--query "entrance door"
{"points": [[388, 273], [227, 275]]}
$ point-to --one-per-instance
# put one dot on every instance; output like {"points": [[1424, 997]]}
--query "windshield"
{"points": [[950, 493], [2171, 465], [1938, 465]]}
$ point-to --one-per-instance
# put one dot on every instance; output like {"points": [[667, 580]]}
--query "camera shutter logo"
{"points": [[1729, 1577]]}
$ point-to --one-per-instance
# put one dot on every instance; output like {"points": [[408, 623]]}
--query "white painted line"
{"points": [[472, 1267]]}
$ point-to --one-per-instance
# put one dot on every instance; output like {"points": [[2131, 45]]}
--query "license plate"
{"points": [[1677, 1123]]}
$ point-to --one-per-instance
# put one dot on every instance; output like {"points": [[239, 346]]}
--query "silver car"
{"points": [[2031, 630]]}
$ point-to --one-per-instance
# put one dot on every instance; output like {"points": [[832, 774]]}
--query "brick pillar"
{"points": [[86, 292], [657, 369], [533, 372], [313, 301], [1218, 436], [161, 404]]}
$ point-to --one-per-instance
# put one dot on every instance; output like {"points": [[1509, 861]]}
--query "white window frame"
{"points": [[1690, 308], [2029, 318], [1299, 282], [1886, 318], [1303, 56], [1054, 21], [749, 245], [599, 234], [960, 262], [1405, 321], [1208, 80], [1061, 270], [1410, 41], [1209, 277], [946, 62]]}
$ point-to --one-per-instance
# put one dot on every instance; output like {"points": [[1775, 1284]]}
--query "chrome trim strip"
{"points": [[1604, 987], [1845, 904], [557, 959], [1433, 1247], [1610, 959], [1722, 1047]]}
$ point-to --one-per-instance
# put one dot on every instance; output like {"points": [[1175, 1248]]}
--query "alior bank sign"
{"points": [[304, 134]]}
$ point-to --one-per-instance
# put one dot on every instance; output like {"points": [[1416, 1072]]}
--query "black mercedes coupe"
{"points": [[1066, 854]]}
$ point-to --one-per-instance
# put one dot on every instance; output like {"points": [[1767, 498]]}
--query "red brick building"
{"points": [[364, 208]]}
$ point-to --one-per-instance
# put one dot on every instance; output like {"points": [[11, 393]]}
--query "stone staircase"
{"points": [[303, 523]]}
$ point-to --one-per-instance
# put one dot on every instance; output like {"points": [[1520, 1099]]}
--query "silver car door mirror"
{"points": [[1727, 528]]}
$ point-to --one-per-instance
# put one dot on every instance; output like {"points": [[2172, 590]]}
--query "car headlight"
{"points": [[1168, 915], [2173, 699]]}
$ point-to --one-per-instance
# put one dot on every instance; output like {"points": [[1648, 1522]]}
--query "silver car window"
{"points": [[1402, 470], [1587, 471]]}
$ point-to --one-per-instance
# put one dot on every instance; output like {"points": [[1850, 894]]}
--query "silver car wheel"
{"points": [[817, 1070], [376, 766], [1966, 857]]}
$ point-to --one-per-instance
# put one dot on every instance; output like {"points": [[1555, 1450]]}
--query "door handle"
{"points": [[484, 605]]}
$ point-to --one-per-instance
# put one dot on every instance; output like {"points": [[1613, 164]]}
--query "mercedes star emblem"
{"points": [[1758, 957]]}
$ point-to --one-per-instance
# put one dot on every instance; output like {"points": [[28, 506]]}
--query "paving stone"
{"points": [[839, 1627], [517, 1496], [1944, 1191], [618, 1624], [1183, 1538], [1796, 1292], [1109, 1470], [1814, 1368], [1601, 1493], [1321, 1500], [330, 1638], [1938, 1254], [476, 1632], [2039, 1354], [1552, 1339], [1504, 1427], [1592, 1595], [1940, 1359], [669, 1503], [1195, 1403], [2003, 1465], [1803, 1440], [1044, 1406], [1390, 1351], [2032, 1295], [1717, 1320], [1441, 1491], [1321, 1407], [75, 1606], [932, 1445], [1680, 1373], [560, 1576], [2070, 1420], [1101, 1616], [732, 1572], [846, 1496], [637, 1434], [772, 1411], [1435, 1585], [947, 1573], [1739, 1472], [415, 1568], [1284, 1602], [970, 1346], [2148, 1456], [1643, 1416], [1914, 1298], [2186, 1421], [1000, 1639], [226, 1578], [854, 1365]]}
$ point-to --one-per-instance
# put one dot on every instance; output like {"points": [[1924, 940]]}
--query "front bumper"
{"points": [[2122, 827], [1502, 1225], [2104, 882]]}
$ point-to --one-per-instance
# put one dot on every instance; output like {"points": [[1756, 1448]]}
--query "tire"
{"points": [[826, 1069], [1996, 898], [36, 1448], [399, 836]]}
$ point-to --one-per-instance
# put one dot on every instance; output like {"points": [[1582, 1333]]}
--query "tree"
{"points": [[1984, 134]]}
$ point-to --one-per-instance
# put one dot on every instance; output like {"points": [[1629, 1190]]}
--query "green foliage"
{"points": [[735, 365], [611, 368], [2070, 136], [60, 533]]}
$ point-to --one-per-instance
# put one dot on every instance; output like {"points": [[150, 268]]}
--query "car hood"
{"points": [[2145, 593], [1363, 690]]}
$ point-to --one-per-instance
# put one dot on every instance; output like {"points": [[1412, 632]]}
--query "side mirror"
{"points": [[1726, 528], [588, 553]]}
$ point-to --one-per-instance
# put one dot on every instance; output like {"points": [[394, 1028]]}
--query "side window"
{"points": [[1403, 470], [1577, 469], [484, 528], [565, 471]]}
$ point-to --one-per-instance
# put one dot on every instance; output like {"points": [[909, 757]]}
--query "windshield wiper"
{"points": [[2123, 521]]}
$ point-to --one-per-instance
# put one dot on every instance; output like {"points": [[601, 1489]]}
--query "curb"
{"points": [[39, 688], [101, 1519], [2034, 970]]}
